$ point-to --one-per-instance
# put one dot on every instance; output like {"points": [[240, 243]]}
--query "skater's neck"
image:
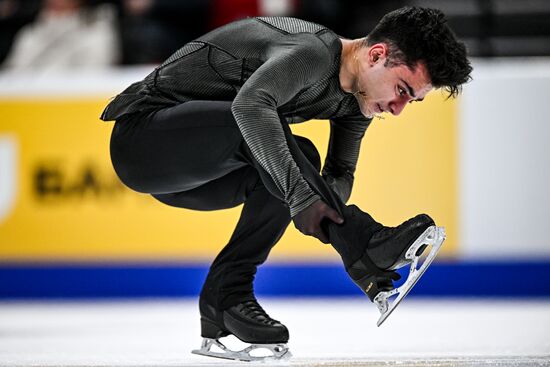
{"points": [[348, 63]]}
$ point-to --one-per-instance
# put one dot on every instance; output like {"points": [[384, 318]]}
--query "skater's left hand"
{"points": [[308, 221]]}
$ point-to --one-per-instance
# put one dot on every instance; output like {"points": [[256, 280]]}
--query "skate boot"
{"points": [[249, 323], [388, 249]]}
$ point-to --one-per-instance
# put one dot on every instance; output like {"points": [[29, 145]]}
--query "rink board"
{"points": [[64, 202], [442, 279]]}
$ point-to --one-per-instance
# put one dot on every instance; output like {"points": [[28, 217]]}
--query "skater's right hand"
{"points": [[308, 221]]}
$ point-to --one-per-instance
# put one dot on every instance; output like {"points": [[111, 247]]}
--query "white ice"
{"points": [[323, 332]]}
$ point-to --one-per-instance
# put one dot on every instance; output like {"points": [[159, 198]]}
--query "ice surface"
{"points": [[323, 332]]}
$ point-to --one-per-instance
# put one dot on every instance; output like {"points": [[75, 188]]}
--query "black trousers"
{"points": [[193, 156]]}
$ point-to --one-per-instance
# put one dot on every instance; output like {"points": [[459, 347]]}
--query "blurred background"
{"points": [[69, 229]]}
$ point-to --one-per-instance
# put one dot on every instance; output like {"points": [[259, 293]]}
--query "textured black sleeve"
{"points": [[343, 152], [292, 65]]}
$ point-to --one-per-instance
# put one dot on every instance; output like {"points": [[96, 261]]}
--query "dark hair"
{"points": [[416, 34]]}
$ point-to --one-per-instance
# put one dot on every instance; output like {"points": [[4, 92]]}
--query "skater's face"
{"points": [[381, 87]]}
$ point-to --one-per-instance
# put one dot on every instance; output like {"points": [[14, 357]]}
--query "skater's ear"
{"points": [[377, 53]]}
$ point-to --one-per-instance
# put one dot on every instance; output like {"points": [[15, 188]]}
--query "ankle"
{"points": [[351, 238]]}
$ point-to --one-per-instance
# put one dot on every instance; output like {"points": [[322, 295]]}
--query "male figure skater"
{"points": [[208, 129]]}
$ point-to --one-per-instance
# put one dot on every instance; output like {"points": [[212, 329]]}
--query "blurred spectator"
{"points": [[66, 34], [227, 11], [348, 18], [14, 14], [151, 30]]}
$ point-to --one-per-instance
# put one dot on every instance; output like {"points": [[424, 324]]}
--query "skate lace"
{"points": [[253, 310]]}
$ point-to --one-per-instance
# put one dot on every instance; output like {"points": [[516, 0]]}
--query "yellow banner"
{"points": [[60, 199]]}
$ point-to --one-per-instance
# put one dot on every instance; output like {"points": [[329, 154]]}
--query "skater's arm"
{"points": [[289, 68], [343, 153]]}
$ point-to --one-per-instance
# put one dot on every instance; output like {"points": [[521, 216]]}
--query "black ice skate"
{"points": [[388, 249], [250, 324]]}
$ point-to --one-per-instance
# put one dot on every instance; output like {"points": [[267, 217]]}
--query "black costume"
{"points": [[208, 129]]}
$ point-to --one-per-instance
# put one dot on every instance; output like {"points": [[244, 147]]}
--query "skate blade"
{"points": [[432, 236], [280, 351]]}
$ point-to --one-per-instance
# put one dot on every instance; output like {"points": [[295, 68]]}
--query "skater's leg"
{"points": [[178, 148], [225, 192], [228, 287], [360, 236], [356, 223], [370, 251], [263, 221], [227, 300]]}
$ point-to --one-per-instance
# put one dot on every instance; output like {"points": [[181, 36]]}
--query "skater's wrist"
{"points": [[298, 207]]}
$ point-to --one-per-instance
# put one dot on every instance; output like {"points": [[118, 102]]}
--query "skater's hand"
{"points": [[308, 221]]}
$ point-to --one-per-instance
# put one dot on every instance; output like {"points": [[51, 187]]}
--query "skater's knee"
{"points": [[193, 201], [310, 151]]}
